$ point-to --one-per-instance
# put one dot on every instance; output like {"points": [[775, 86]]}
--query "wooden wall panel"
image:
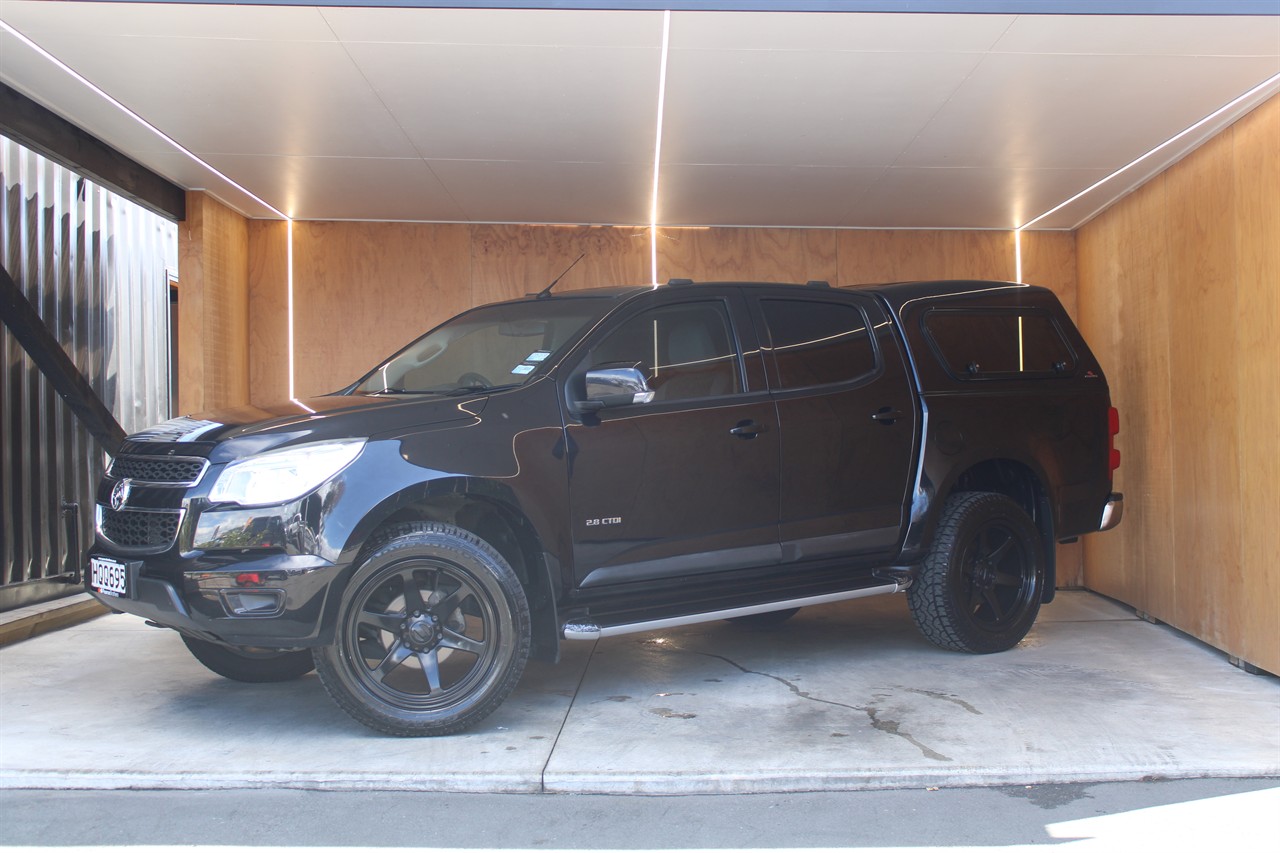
{"points": [[1049, 260], [747, 254], [362, 290], [213, 306], [1128, 327], [878, 256], [1178, 292], [269, 319], [509, 261], [1257, 342], [1202, 363]]}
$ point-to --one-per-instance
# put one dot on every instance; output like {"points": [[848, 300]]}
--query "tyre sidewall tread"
{"points": [[490, 570], [932, 597]]}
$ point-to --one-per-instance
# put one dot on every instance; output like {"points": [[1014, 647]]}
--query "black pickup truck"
{"points": [[593, 463]]}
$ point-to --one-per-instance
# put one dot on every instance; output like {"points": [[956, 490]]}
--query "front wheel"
{"points": [[254, 666], [979, 589], [432, 635]]}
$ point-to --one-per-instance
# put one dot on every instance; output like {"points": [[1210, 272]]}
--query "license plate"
{"points": [[109, 577]]}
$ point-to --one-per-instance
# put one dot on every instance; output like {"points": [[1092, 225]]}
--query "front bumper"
{"points": [[226, 603], [1112, 512]]}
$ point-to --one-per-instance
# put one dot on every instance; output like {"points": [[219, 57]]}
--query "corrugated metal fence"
{"points": [[95, 266]]}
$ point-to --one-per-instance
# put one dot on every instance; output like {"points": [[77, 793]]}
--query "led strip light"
{"points": [[657, 145], [1271, 81]]}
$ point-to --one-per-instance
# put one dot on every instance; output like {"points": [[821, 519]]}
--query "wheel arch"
{"points": [[483, 508], [1019, 482]]}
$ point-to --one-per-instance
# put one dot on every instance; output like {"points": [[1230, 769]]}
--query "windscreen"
{"points": [[498, 346]]}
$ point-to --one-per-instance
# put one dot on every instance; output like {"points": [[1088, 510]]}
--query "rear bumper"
{"points": [[1112, 512]]}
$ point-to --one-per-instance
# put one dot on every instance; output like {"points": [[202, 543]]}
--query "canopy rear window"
{"points": [[999, 343]]}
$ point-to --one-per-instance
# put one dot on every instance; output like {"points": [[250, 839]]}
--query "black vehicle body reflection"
{"points": [[635, 457]]}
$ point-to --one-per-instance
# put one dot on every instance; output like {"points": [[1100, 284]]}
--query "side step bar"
{"points": [[591, 631]]}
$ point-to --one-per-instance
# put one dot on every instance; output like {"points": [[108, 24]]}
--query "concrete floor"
{"points": [[842, 697]]}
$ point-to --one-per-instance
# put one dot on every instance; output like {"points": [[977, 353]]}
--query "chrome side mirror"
{"points": [[611, 385]]}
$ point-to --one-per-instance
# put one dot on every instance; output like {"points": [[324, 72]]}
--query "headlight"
{"points": [[282, 475]]}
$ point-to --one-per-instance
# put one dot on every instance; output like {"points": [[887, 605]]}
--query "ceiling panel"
{"points": [[1075, 111], [360, 188], [938, 198], [577, 193], [874, 33], [818, 108], [558, 104], [289, 97], [70, 22], [542, 28], [1127, 35], [824, 120], [795, 196]]}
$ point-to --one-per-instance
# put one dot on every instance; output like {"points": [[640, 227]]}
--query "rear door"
{"points": [[847, 421], [688, 483]]}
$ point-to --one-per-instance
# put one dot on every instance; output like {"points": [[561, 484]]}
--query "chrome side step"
{"points": [[591, 631]]}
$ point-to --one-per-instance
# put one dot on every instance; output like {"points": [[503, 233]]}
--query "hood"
{"points": [[233, 433]]}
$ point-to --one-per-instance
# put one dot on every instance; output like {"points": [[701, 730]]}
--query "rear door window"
{"points": [[818, 342]]}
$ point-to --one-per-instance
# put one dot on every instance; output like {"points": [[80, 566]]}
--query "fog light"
{"points": [[260, 602]]}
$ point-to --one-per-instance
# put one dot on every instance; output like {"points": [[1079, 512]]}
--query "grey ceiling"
{"points": [[774, 118]]}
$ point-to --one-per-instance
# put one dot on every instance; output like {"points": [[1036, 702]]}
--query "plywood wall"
{"points": [[362, 290], [1179, 293], [213, 306]]}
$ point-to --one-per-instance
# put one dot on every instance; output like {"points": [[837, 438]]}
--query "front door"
{"points": [[687, 483]]}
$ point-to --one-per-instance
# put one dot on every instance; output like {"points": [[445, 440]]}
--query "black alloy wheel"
{"points": [[433, 633], [979, 590]]}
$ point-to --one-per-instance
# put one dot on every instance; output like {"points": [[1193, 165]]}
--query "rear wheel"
{"points": [[433, 633], [255, 666], [979, 590]]}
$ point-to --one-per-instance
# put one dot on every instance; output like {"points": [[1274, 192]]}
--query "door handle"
{"points": [[887, 415], [747, 429]]}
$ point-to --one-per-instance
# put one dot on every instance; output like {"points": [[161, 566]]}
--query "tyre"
{"points": [[432, 634], [255, 666], [765, 620], [979, 589]]}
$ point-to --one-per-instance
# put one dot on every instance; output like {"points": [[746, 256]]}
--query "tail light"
{"points": [[1113, 429]]}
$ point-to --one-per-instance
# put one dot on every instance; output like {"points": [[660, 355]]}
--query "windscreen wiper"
{"points": [[476, 389]]}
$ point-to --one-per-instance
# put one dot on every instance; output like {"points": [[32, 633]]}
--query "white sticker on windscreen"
{"points": [[538, 356], [522, 369]]}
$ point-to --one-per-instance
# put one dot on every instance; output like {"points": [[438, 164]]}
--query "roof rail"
{"points": [[678, 282], [817, 283]]}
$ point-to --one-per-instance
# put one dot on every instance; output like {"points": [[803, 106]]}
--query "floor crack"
{"points": [[890, 727]]}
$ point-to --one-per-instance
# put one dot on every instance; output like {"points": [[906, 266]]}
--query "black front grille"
{"points": [[177, 471], [153, 531]]}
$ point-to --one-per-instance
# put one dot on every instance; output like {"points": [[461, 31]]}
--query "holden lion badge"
{"points": [[120, 493]]}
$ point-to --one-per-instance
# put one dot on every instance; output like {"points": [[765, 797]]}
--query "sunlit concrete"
{"points": [[841, 697]]}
